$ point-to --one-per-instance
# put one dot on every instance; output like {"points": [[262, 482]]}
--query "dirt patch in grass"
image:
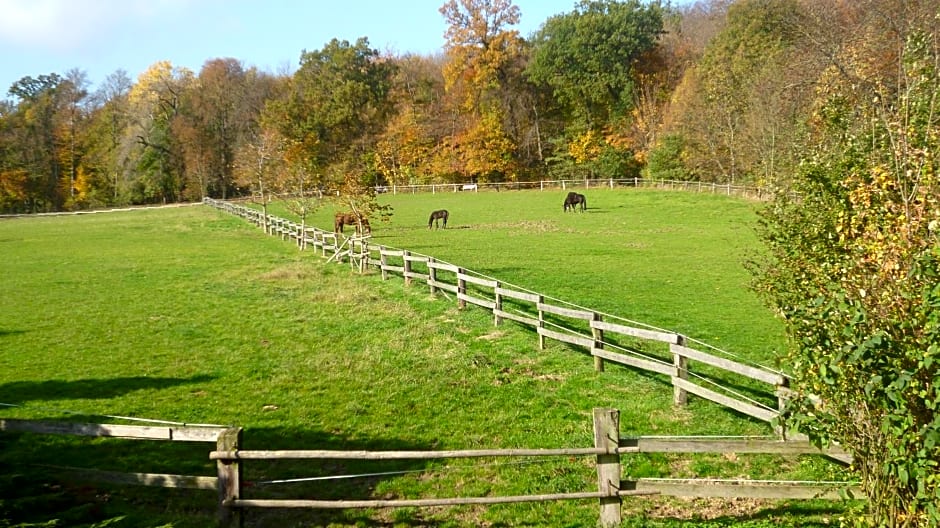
{"points": [[292, 272], [699, 508]]}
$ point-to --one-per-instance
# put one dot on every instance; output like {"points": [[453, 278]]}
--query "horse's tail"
{"points": [[583, 202]]}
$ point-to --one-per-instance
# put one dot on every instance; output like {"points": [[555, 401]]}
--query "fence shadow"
{"points": [[19, 392], [45, 477], [344, 479]]}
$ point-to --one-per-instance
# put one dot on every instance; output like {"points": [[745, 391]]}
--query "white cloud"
{"points": [[65, 24]]}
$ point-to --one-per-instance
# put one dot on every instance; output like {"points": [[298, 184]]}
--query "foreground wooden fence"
{"points": [[607, 451], [691, 368], [222, 437]]}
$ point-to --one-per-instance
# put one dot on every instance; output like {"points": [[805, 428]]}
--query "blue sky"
{"points": [[101, 36]]}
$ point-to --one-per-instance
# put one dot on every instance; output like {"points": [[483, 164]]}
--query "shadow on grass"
{"points": [[50, 478], [18, 392]]}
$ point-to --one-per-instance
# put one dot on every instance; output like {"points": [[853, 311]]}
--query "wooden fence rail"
{"points": [[728, 189], [608, 449], [552, 319], [206, 434]]}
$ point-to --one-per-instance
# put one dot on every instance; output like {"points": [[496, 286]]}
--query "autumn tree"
{"points": [[853, 266], [13, 178], [480, 49], [70, 123], [259, 168], [221, 108], [151, 155], [742, 102], [416, 124], [33, 133]]}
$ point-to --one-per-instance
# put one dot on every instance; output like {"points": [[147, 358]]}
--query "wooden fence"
{"points": [[608, 448], [607, 451], [728, 189], [749, 389], [224, 438]]}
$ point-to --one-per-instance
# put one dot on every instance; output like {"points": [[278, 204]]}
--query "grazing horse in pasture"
{"points": [[344, 219], [438, 215], [573, 199]]}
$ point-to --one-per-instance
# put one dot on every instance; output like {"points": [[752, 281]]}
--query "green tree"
{"points": [[588, 57], [107, 123], [152, 155], [333, 115], [854, 266], [336, 103], [34, 136]]}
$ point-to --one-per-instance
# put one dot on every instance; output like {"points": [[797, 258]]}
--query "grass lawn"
{"points": [[191, 315]]}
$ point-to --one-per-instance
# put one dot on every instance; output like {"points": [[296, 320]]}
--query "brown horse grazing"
{"points": [[344, 219], [573, 199], [438, 215]]}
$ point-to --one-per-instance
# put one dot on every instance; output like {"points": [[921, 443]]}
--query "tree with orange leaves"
{"points": [[480, 49]]}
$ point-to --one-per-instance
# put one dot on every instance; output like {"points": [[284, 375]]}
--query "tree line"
{"points": [[716, 91]]}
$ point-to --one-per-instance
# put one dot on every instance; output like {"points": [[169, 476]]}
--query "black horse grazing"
{"points": [[438, 215], [344, 219], [573, 199]]}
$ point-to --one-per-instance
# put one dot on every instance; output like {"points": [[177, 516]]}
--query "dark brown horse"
{"points": [[438, 215], [344, 219], [573, 200]]}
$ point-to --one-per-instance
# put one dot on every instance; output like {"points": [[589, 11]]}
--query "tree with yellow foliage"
{"points": [[480, 49]]}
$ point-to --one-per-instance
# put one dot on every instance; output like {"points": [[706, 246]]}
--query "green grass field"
{"points": [[191, 315], [669, 259]]}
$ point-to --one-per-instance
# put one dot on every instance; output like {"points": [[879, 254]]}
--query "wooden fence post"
{"points": [[461, 289], [432, 275], [607, 436], [363, 254], [406, 267], [598, 344], [681, 363], [781, 428], [230, 477], [541, 322], [498, 305], [383, 261]]}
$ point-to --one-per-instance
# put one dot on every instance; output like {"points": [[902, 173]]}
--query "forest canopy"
{"points": [[592, 94]]}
